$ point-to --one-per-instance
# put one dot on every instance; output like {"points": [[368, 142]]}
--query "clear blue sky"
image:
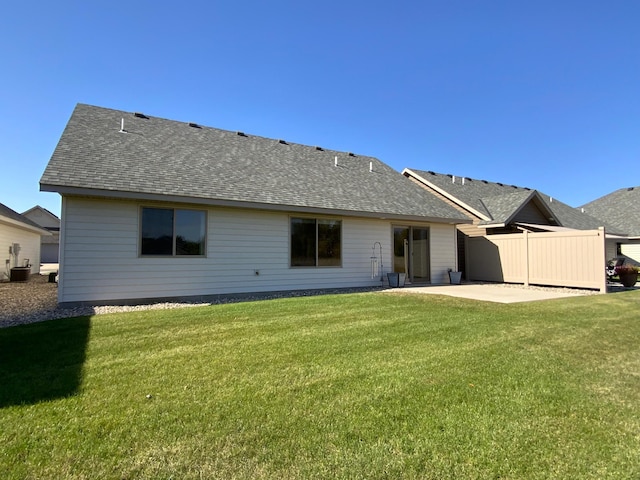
{"points": [[543, 94]]}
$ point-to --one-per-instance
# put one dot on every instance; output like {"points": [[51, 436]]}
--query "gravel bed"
{"points": [[36, 301]]}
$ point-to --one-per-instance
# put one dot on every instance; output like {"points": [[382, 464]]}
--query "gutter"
{"points": [[155, 197]]}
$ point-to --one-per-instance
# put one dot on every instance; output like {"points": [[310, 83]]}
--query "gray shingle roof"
{"points": [[497, 201], [620, 208], [503, 207], [13, 215], [208, 165]]}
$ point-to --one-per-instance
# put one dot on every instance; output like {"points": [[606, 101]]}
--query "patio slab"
{"points": [[498, 293]]}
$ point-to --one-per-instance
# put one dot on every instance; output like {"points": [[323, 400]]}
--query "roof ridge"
{"points": [[431, 172]]}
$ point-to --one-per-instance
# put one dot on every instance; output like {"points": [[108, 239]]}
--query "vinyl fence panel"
{"points": [[573, 258]]}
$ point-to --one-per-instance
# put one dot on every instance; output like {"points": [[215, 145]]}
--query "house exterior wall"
{"points": [[29, 248], [49, 244], [611, 246], [443, 252], [631, 251], [42, 218], [530, 213], [100, 261]]}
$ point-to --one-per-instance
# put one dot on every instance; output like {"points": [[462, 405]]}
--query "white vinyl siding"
{"points": [[247, 251]]}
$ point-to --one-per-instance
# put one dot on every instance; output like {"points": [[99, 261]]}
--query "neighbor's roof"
{"points": [[11, 217], [38, 208], [497, 203], [170, 160], [620, 208]]}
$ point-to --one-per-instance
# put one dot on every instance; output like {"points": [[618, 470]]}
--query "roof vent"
{"points": [[484, 181], [514, 186], [194, 125], [630, 189], [241, 134], [122, 130], [432, 173], [140, 115], [502, 185], [283, 142], [320, 148], [351, 154]]}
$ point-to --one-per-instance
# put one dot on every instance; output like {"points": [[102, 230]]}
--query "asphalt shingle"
{"points": [[164, 157], [620, 208], [497, 201]]}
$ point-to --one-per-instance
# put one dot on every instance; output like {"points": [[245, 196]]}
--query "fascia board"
{"points": [[23, 226], [456, 200], [121, 195]]}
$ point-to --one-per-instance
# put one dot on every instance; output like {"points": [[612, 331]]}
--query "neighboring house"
{"points": [[15, 229], [497, 208], [154, 208], [621, 209], [50, 244]]}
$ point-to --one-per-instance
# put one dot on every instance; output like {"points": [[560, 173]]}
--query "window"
{"points": [[316, 242], [168, 231]]}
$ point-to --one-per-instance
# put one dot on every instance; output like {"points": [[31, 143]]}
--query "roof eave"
{"points": [[155, 197], [24, 226]]}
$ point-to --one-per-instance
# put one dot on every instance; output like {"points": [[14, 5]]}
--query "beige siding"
{"points": [[443, 252], [530, 213], [42, 218], [611, 249], [572, 259], [29, 248], [631, 251], [100, 260], [472, 230]]}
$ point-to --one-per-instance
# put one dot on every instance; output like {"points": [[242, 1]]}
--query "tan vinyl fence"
{"points": [[573, 258]]}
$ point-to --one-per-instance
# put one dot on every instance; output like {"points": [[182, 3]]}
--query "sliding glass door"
{"points": [[411, 253]]}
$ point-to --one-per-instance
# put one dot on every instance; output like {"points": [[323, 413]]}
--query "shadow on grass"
{"points": [[42, 361]]}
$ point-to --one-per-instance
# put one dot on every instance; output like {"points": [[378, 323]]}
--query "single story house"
{"points": [[19, 241], [496, 208], [621, 209], [49, 244], [155, 208]]}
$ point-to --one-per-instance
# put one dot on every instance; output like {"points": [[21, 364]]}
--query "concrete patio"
{"points": [[498, 293]]}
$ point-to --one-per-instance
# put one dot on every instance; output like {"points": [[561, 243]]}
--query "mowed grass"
{"points": [[355, 386]]}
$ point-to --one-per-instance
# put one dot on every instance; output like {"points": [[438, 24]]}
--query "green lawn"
{"points": [[367, 386]]}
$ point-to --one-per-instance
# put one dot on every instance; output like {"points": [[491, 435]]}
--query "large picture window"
{"points": [[172, 232], [316, 242]]}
